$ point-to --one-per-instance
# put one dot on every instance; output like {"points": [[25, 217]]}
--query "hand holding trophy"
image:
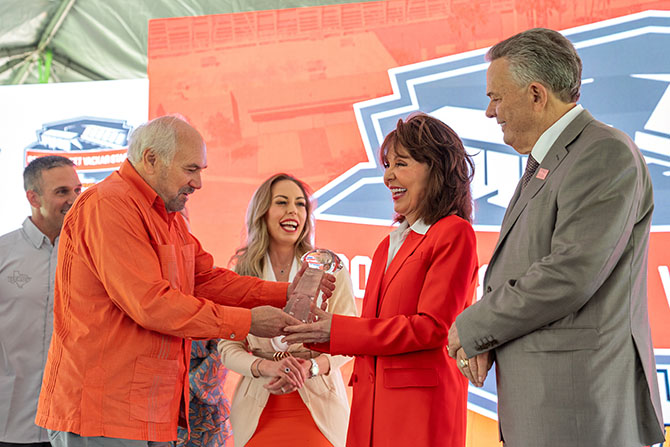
{"points": [[307, 291]]}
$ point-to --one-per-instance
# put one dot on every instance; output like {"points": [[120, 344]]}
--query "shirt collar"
{"points": [[549, 137], [130, 175], [35, 236], [418, 227]]}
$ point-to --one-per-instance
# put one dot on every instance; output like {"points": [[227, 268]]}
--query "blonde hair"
{"points": [[250, 259]]}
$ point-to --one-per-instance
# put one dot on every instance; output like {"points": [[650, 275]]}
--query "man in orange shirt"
{"points": [[133, 286]]}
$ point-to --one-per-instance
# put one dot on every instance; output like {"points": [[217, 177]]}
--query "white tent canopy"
{"points": [[83, 40]]}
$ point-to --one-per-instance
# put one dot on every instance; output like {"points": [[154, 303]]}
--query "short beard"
{"points": [[177, 203]]}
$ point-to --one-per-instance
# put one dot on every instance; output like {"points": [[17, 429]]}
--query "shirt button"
{"points": [[488, 289], [232, 336]]}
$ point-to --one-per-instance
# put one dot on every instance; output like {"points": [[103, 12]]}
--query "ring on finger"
{"points": [[464, 363], [287, 370], [283, 390]]}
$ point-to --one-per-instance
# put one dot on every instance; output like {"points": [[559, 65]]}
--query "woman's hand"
{"points": [[282, 384], [289, 369], [317, 332]]}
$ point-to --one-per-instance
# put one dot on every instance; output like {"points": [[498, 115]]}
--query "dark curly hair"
{"points": [[450, 168]]}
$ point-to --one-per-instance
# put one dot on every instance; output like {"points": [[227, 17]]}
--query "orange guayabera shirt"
{"points": [[132, 287]]}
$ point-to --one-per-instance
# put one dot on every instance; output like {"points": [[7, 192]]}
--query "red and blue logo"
{"points": [[631, 93]]}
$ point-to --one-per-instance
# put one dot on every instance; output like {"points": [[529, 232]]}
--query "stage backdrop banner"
{"points": [[313, 91], [88, 122]]}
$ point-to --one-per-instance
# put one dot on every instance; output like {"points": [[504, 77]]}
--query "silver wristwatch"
{"points": [[314, 369]]}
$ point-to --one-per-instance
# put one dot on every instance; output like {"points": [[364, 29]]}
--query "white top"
{"points": [[27, 272], [324, 395], [398, 236], [270, 273], [548, 138]]}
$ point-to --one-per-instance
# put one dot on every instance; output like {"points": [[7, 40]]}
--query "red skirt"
{"points": [[286, 421]]}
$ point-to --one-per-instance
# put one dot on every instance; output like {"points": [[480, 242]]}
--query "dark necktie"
{"points": [[531, 167]]}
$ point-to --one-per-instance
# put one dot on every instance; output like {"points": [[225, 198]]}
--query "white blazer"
{"points": [[324, 395]]}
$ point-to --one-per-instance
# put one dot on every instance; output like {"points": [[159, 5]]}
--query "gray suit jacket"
{"points": [[565, 299]]}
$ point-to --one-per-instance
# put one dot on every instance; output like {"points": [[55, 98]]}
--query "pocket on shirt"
{"points": [[168, 261], [188, 254], [6, 392], [152, 391]]}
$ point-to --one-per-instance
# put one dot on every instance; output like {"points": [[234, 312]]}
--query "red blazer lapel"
{"points": [[406, 249], [375, 279]]}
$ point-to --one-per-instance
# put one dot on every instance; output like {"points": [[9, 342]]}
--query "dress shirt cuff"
{"points": [[274, 293], [237, 320], [236, 323]]}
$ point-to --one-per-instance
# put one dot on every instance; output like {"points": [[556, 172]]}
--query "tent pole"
{"points": [[10, 64], [16, 53], [72, 65], [49, 32]]}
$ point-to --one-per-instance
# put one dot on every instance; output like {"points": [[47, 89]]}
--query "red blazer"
{"points": [[406, 389]]}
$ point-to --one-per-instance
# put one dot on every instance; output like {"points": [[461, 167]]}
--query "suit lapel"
{"points": [[374, 281], [406, 249], [550, 163], [512, 202]]}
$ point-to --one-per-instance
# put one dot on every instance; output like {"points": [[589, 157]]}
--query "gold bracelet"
{"points": [[279, 355], [257, 362]]}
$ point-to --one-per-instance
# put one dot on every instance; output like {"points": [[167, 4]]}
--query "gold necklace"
{"points": [[283, 270]]}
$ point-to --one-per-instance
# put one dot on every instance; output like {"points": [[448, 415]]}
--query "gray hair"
{"points": [[159, 134], [32, 175], [545, 56]]}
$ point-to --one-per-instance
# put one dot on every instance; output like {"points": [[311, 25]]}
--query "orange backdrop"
{"points": [[274, 91]]}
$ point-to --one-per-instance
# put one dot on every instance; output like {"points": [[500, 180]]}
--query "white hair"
{"points": [[159, 134]]}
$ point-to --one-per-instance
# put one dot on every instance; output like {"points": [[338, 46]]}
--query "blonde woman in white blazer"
{"points": [[268, 408]]}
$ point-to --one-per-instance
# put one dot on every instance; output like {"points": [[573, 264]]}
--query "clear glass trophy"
{"points": [[307, 291]]}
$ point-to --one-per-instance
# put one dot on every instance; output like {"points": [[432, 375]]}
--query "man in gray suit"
{"points": [[564, 311]]}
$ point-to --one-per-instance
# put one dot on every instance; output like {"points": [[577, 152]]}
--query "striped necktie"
{"points": [[531, 167]]}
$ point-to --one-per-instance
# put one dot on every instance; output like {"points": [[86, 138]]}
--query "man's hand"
{"points": [[268, 321], [475, 369], [327, 285], [454, 341], [317, 332]]}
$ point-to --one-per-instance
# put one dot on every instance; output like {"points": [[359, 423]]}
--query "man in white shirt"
{"points": [[27, 268], [564, 310]]}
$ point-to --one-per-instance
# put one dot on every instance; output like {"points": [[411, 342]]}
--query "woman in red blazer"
{"points": [[407, 391]]}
